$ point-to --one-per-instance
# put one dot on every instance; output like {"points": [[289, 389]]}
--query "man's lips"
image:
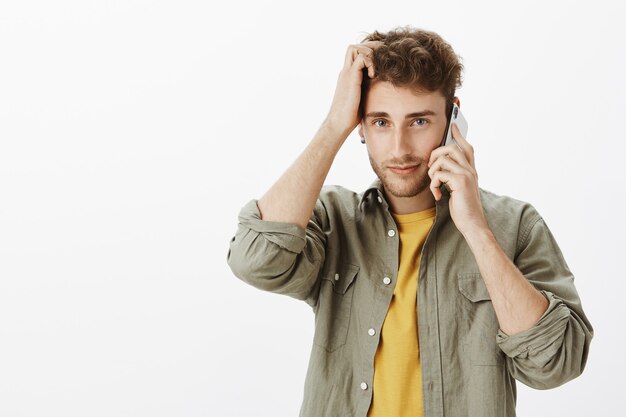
{"points": [[403, 170]]}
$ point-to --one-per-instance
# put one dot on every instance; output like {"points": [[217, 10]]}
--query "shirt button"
{"points": [[391, 232], [380, 199], [363, 386], [371, 332], [386, 280], [336, 277]]}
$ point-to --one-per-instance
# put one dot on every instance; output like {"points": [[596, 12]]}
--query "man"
{"points": [[431, 295]]}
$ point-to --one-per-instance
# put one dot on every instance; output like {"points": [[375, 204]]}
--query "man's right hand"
{"points": [[343, 114]]}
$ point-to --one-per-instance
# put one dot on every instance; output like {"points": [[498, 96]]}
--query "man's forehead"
{"points": [[386, 94], [410, 106], [419, 113], [413, 89]]}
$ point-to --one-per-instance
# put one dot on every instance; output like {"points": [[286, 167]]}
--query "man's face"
{"points": [[413, 126]]}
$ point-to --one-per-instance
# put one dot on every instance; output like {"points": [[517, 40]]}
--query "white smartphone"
{"points": [[455, 117]]}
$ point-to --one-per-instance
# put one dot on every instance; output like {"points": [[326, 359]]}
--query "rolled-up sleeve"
{"points": [[279, 257], [556, 348]]}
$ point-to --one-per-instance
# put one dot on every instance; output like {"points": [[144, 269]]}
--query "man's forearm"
{"points": [[517, 303], [292, 197]]}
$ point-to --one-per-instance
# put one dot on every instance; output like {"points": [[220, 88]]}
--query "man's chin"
{"points": [[400, 187]]}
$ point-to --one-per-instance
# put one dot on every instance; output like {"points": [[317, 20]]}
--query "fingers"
{"points": [[447, 154], [463, 144], [448, 164], [452, 165], [361, 56], [445, 169], [365, 48], [364, 60], [461, 151], [453, 180], [440, 177]]}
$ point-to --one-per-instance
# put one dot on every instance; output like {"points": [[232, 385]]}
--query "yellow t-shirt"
{"points": [[397, 386]]}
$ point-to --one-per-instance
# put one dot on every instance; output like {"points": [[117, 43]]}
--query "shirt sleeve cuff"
{"points": [[290, 236], [541, 340]]}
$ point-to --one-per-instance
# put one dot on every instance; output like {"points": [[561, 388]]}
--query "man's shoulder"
{"points": [[504, 206], [339, 202], [334, 195]]}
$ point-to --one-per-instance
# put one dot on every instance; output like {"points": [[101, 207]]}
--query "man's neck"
{"points": [[406, 205]]}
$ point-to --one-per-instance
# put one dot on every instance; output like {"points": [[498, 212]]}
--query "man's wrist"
{"points": [[335, 129], [478, 236]]}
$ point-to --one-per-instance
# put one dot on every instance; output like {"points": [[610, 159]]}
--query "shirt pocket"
{"points": [[476, 300], [332, 316], [477, 320]]}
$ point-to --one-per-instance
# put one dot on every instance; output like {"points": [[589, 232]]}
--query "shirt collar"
{"points": [[375, 187]]}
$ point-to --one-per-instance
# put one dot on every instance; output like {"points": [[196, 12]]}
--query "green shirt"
{"points": [[344, 265]]}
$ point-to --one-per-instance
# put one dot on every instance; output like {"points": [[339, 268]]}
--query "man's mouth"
{"points": [[403, 170]]}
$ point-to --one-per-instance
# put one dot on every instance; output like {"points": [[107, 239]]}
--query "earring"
{"points": [[362, 139]]}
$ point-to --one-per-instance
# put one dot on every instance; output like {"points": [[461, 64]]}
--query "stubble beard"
{"points": [[403, 185]]}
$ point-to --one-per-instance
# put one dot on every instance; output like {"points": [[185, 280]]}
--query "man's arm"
{"points": [[543, 329], [280, 243], [516, 302], [293, 196], [554, 349]]}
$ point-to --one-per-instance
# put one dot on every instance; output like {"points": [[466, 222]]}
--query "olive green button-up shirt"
{"points": [[344, 265]]}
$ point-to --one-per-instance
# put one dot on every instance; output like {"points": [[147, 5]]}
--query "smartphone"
{"points": [[455, 117]]}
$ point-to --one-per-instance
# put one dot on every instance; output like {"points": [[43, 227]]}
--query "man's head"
{"points": [[417, 74], [417, 59]]}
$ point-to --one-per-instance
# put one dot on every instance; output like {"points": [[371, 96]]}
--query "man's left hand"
{"points": [[453, 165]]}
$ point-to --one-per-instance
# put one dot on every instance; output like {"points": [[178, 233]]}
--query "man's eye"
{"points": [[376, 121], [424, 121]]}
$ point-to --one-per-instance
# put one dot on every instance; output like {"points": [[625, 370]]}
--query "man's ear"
{"points": [[457, 101]]}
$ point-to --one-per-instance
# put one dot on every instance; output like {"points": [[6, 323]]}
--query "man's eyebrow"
{"points": [[408, 116]]}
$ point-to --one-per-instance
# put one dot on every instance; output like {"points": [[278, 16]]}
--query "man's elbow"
{"points": [[263, 264], [544, 380], [541, 371]]}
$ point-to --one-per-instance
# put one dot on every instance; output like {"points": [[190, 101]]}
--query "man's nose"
{"points": [[401, 143]]}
